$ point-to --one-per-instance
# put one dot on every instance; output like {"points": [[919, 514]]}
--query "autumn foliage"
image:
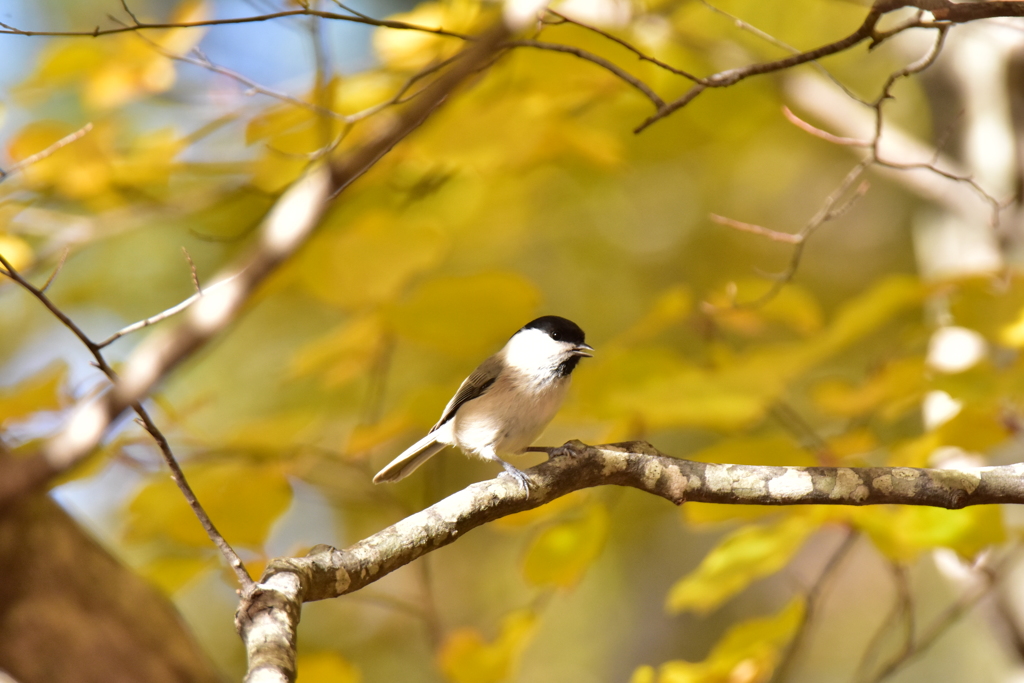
{"points": [[526, 193]]}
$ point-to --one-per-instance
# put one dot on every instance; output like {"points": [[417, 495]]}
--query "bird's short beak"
{"points": [[581, 350]]}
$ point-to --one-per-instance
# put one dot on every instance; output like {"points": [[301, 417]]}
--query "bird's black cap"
{"points": [[558, 328]]}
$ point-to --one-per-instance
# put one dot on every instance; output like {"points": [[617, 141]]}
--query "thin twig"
{"points": [[950, 616], [733, 76], [619, 41], [900, 607], [143, 26], [124, 4], [764, 35], [233, 560], [192, 269], [774, 235], [39, 156], [819, 133], [808, 437], [836, 204], [165, 314], [811, 604], [600, 61], [60, 265]]}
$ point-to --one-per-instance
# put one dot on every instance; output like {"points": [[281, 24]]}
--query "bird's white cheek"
{"points": [[532, 353]]}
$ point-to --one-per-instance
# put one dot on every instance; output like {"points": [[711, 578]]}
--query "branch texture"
{"points": [[268, 618]]}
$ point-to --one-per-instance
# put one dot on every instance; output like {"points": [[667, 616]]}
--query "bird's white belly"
{"points": [[505, 422]]}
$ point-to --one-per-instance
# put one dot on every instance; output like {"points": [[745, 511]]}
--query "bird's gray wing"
{"points": [[474, 386]]}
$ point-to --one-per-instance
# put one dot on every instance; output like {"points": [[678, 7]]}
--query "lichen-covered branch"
{"points": [[267, 618]]}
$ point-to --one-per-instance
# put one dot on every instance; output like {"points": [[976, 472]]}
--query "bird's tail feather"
{"points": [[414, 456]]}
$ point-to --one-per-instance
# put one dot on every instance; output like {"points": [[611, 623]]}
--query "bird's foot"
{"points": [[574, 447], [522, 478]]}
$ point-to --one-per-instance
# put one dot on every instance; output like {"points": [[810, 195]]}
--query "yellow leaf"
{"points": [[465, 657], [63, 62], [343, 354], [273, 171], [326, 667], [900, 383], [914, 452], [742, 557], [748, 653], [272, 432], [365, 437], [792, 306], [671, 306], [39, 392], [857, 442], [904, 532], [362, 91], [1012, 334], [171, 572], [150, 160], [750, 650], [413, 50], [596, 145], [495, 303], [561, 554], [16, 250], [79, 170], [181, 40], [644, 674], [739, 391], [975, 428], [871, 310], [243, 499], [372, 262]]}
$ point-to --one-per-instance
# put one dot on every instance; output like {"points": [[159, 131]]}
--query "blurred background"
{"points": [[892, 341]]}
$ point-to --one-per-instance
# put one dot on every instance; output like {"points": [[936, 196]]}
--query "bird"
{"points": [[506, 402]]}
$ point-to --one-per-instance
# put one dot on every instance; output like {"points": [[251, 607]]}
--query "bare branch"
{"points": [[56, 270], [192, 269], [774, 235], [903, 606], [143, 26], [23, 475], [286, 227], [950, 616], [732, 76], [812, 600], [124, 4], [619, 41], [164, 315], [267, 618], [767, 37], [600, 61], [819, 133]]}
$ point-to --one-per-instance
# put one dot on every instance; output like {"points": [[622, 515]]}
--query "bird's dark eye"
{"points": [[557, 336]]}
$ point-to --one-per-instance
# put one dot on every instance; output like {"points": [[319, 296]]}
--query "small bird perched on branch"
{"points": [[506, 402]]}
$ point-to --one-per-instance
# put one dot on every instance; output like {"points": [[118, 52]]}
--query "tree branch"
{"points": [[140, 26], [267, 618], [288, 225]]}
